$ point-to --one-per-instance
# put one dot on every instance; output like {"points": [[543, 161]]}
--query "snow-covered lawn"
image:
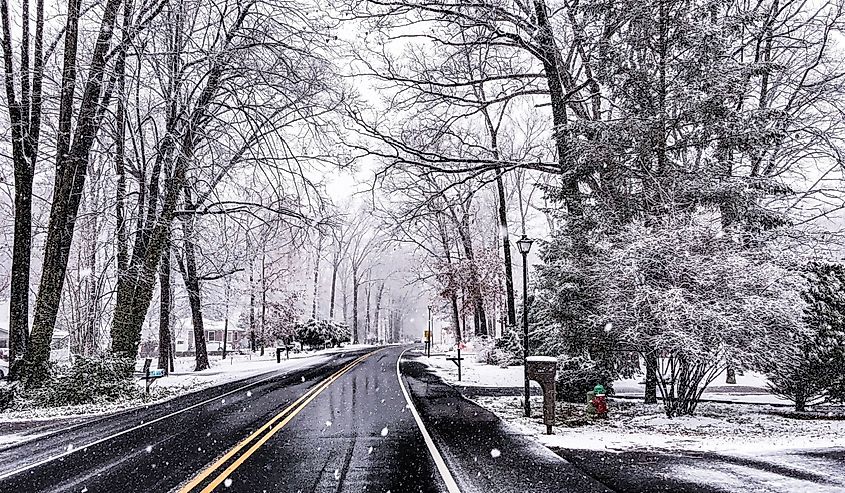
{"points": [[182, 381], [751, 387], [751, 427], [717, 427]]}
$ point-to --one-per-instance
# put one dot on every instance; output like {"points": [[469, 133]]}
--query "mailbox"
{"points": [[543, 369]]}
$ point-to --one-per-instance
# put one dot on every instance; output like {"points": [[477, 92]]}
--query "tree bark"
{"points": [[731, 376], [164, 339], [71, 170], [456, 316], [556, 78], [368, 321], [378, 309], [251, 308], [192, 285], [506, 248], [263, 299], [25, 120], [651, 364], [354, 304], [335, 266], [316, 278]]}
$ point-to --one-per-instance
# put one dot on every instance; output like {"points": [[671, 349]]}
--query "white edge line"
{"points": [[451, 485], [145, 424]]}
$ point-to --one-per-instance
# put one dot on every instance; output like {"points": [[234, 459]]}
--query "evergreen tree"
{"points": [[809, 366]]}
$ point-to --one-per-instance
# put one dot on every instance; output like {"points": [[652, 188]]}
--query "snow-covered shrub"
{"points": [[697, 298], [316, 333], [504, 358], [484, 347], [508, 349], [579, 375], [88, 381], [808, 366]]}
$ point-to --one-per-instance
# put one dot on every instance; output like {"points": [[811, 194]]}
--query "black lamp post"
{"points": [[524, 246]]}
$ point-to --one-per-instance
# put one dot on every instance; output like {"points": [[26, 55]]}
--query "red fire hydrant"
{"points": [[599, 402]]}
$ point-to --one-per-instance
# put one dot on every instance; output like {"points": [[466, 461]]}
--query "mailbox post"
{"points": [[543, 369]]}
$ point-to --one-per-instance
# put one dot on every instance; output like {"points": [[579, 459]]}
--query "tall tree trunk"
{"points": [[25, 120], [731, 375], [263, 299], [345, 297], [456, 316], [377, 313], [506, 249], [71, 170], [251, 307], [651, 364], [164, 339], [135, 293], [89, 333], [335, 266], [354, 304], [557, 79], [227, 295], [316, 278], [22, 244], [192, 286], [367, 319]]}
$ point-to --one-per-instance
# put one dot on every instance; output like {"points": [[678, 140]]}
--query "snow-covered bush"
{"points": [[579, 375], [508, 349], [88, 381], [697, 298], [808, 366], [484, 347], [316, 333]]}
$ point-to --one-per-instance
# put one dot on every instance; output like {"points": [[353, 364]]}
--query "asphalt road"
{"points": [[338, 424]]}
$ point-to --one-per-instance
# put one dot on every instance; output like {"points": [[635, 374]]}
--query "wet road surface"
{"points": [[340, 423], [334, 442]]}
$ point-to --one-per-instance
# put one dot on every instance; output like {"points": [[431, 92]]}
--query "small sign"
{"points": [[156, 373], [425, 334], [461, 345]]}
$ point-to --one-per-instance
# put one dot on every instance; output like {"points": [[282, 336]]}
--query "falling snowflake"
{"points": [[337, 474], [70, 447], [149, 448], [227, 482], [384, 431], [370, 450], [495, 453], [249, 393], [328, 423], [303, 379], [222, 401]]}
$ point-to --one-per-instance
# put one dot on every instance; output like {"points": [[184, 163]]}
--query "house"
{"points": [[214, 330]]}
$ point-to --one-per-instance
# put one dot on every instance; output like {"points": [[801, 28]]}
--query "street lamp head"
{"points": [[524, 245]]}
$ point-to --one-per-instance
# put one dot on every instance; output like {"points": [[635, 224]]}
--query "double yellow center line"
{"points": [[282, 419]]}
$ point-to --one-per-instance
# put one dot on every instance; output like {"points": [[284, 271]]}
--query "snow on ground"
{"points": [[723, 428], [739, 478], [182, 381], [749, 427], [473, 373], [751, 387]]}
